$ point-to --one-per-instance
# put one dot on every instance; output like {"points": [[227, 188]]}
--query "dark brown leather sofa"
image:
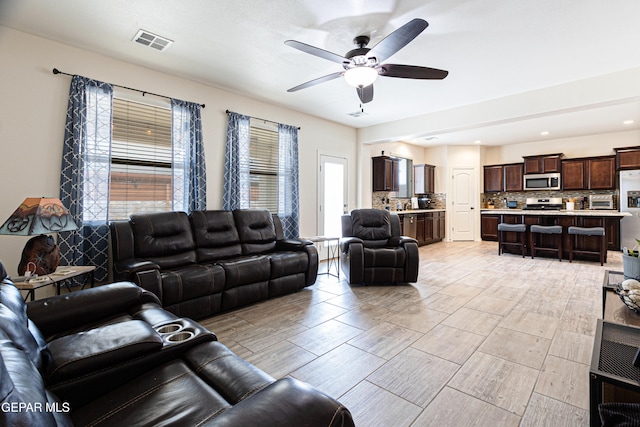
{"points": [[373, 251], [110, 356], [210, 261]]}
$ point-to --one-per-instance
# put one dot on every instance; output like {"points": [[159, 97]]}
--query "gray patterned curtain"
{"points": [[288, 193], [84, 181], [189, 171], [236, 192]]}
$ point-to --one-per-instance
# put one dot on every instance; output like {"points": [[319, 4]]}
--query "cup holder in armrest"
{"points": [[182, 330], [169, 328], [183, 335]]}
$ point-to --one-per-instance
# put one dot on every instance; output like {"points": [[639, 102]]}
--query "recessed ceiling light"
{"points": [[478, 142], [627, 122], [544, 133]]}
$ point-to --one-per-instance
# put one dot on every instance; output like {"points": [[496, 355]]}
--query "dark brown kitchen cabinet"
{"points": [[424, 179], [627, 158], [489, 227], [601, 173], [573, 174], [542, 164], [385, 173], [493, 178], [429, 226], [513, 177], [591, 173]]}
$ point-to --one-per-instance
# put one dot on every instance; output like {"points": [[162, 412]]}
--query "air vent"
{"points": [[154, 41]]}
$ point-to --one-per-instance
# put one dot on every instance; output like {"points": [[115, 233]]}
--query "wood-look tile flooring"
{"points": [[480, 339]]}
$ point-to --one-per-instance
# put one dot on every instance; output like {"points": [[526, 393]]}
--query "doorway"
{"points": [[463, 203], [332, 195]]}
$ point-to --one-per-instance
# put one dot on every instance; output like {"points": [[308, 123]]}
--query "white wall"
{"points": [[583, 146], [32, 117]]}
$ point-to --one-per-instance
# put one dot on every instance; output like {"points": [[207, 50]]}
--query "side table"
{"points": [[613, 309], [62, 276], [333, 258], [614, 349]]}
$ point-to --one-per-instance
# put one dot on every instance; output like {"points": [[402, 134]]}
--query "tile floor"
{"points": [[480, 339]]}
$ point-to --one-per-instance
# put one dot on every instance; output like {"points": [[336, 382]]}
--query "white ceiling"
{"points": [[493, 49]]}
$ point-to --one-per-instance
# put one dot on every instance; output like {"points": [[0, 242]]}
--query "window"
{"points": [[141, 159], [263, 166]]}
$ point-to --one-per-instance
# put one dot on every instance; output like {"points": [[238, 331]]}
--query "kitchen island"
{"points": [[609, 219]]}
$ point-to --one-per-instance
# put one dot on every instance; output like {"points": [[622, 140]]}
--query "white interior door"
{"points": [[332, 195], [463, 203]]}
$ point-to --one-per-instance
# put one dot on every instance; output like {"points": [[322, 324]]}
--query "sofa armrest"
{"points": [[287, 401], [292, 244], [346, 242], [134, 265], [93, 350], [64, 312]]}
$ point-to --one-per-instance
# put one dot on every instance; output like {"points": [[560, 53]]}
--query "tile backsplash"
{"points": [[500, 199], [382, 199]]}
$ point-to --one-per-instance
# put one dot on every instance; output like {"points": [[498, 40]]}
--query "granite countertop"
{"points": [[563, 212], [412, 211]]}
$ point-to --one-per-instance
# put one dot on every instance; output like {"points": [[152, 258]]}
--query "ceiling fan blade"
{"points": [[314, 82], [365, 93], [398, 39], [411, 72], [317, 51]]}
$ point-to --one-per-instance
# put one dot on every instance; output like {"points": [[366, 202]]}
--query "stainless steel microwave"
{"points": [[542, 181]]}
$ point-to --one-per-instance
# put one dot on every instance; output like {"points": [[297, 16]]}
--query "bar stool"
{"points": [[515, 228], [555, 230], [588, 231]]}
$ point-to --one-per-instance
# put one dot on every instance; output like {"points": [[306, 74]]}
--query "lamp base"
{"points": [[43, 252]]}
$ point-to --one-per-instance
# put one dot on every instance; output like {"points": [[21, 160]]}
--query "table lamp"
{"points": [[38, 216]]}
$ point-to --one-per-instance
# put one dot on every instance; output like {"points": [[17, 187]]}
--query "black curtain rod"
{"points": [[144, 92], [258, 118]]}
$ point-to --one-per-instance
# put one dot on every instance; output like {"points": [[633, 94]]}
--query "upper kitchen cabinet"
{"points": [[542, 164], [513, 177], [423, 179], [601, 172], [503, 178], [573, 174], [628, 158], [385, 173], [493, 178], [592, 173]]}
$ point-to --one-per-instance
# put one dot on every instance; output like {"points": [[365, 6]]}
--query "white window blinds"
{"points": [[263, 168], [141, 159]]}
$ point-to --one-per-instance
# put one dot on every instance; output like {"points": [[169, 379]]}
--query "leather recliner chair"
{"points": [[373, 251]]}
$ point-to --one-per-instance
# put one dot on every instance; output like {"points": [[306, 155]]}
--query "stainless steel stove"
{"points": [[542, 204]]}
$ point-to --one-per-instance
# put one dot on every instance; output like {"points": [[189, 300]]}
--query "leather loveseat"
{"points": [[111, 356], [210, 261], [373, 251]]}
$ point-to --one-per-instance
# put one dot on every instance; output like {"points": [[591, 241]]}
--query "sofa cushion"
{"points": [[169, 395], [256, 230], [22, 385], [245, 270], [95, 349], [384, 257], [215, 235], [371, 224], [191, 281], [164, 238], [287, 263]]}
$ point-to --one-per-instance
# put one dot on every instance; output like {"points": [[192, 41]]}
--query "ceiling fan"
{"points": [[363, 65]]}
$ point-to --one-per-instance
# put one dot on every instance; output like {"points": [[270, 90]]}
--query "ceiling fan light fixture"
{"points": [[361, 76]]}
